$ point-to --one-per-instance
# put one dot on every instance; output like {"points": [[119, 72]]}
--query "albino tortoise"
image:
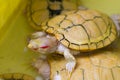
{"points": [[40, 10], [72, 33]]}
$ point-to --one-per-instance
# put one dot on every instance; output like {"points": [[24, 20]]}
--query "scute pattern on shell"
{"points": [[100, 65], [83, 30], [41, 10], [16, 76]]}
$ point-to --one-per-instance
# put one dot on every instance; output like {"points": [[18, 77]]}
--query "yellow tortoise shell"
{"points": [[83, 30], [37, 10]]}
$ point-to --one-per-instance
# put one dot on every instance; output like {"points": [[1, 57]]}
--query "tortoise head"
{"points": [[42, 43]]}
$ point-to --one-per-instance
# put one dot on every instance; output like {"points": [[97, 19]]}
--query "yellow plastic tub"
{"points": [[14, 28], [14, 57]]}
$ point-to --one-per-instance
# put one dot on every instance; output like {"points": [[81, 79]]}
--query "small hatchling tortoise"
{"points": [[16, 76], [40, 10], [72, 33], [100, 65]]}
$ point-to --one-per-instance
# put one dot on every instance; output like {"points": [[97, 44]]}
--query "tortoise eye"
{"points": [[44, 47]]}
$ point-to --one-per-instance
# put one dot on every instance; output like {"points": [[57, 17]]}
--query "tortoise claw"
{"points": [[70, 67], [57, 76]]}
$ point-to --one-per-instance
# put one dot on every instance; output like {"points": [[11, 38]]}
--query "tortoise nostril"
{"points": [[28, 38]]}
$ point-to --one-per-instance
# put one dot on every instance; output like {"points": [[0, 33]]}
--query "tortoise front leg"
{"points": [[70, 65], [71, 61], [43, 67]]}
